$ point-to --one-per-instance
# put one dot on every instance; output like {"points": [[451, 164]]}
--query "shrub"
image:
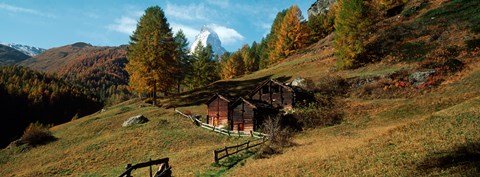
{"points": [[414, 51], [412, 10], [472, 44], [265, 151], [331, 86], [37, 134], [314, 115], [279, 135]]}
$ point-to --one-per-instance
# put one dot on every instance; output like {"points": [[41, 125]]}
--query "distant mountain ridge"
{"points": [[95, 67], [27, 50], [208, 36], [11, 56]]}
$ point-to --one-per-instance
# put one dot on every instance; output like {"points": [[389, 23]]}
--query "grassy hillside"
{"points": [[98, 145], [387, 129]]}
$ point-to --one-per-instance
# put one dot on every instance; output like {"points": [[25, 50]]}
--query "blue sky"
{"points": [[54, 23]]}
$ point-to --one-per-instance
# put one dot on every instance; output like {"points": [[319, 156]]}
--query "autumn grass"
{"points": [[435, 132], [97, 145]]}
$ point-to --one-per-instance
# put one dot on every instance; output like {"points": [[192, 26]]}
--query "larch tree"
{"points": [[272, 38], [291, 36], [152, 54], [351, 25], [234, 66], [249, 60]]}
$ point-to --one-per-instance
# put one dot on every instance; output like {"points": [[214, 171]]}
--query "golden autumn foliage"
{"points": [[351, 23], [233, 67], [152, 54], [292, 35]]}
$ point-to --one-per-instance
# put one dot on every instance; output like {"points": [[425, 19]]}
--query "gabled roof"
{"points": [[255, 104], [219, 96], [267, 82]]}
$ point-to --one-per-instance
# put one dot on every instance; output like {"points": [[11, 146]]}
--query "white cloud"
{"points": [[226, 35], [16, 9], [188, 12], [189, 32], [126, 24]]}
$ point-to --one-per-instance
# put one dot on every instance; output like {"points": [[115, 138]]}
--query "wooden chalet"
{"points": [[218, 110], [275, 93], [248, 115]]}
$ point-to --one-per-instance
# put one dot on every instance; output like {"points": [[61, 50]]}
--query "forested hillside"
{"points": [[29, 96], [99, 69]]}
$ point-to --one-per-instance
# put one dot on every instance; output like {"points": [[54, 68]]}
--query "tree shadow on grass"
{"points": [[228, 88], [464, 160]]}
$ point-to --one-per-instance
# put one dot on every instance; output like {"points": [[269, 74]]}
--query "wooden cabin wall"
{"points": [[243, 114], [276, 95], [218, 108]]}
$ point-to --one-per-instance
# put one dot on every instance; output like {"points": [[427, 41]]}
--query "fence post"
{"points": [[215, 156], [226, 150], [129, 172], [248, 144], [150, 161]]}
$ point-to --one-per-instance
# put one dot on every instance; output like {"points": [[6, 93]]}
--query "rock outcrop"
{"points": [[140, 119], [320, 7]]}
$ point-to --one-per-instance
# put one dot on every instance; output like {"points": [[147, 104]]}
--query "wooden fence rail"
{"points": [[237, 148], [166, 172], [219, 130]]}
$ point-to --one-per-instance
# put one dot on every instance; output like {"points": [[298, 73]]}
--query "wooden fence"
{"points": [[230, 150], [166, 172], [220, 130]]}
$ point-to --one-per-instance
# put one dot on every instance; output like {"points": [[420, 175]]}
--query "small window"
{"points": [[265, 90], [275, 88]]}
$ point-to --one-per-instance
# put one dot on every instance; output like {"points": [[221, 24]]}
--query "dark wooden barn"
{"points": [[275, 93], [248, 115], [218, 110]]}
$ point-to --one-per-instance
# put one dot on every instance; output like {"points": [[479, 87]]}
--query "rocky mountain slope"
{"points": [[11, 56], [27, 50]]}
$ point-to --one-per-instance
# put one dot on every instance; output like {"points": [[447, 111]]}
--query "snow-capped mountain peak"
{"points": [[207, 35], [27, 50]]}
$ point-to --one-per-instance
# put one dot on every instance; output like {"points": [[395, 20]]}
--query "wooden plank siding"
{"points": [[218, 111], [243, 117], [276, 94]]}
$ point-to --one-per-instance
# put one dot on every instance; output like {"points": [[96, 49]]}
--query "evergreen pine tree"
{"points": [[183, 58], [204, 67]]}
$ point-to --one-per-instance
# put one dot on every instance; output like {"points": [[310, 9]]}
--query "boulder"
{"points": [[419, 77], [299, 82], [140, 119]]}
